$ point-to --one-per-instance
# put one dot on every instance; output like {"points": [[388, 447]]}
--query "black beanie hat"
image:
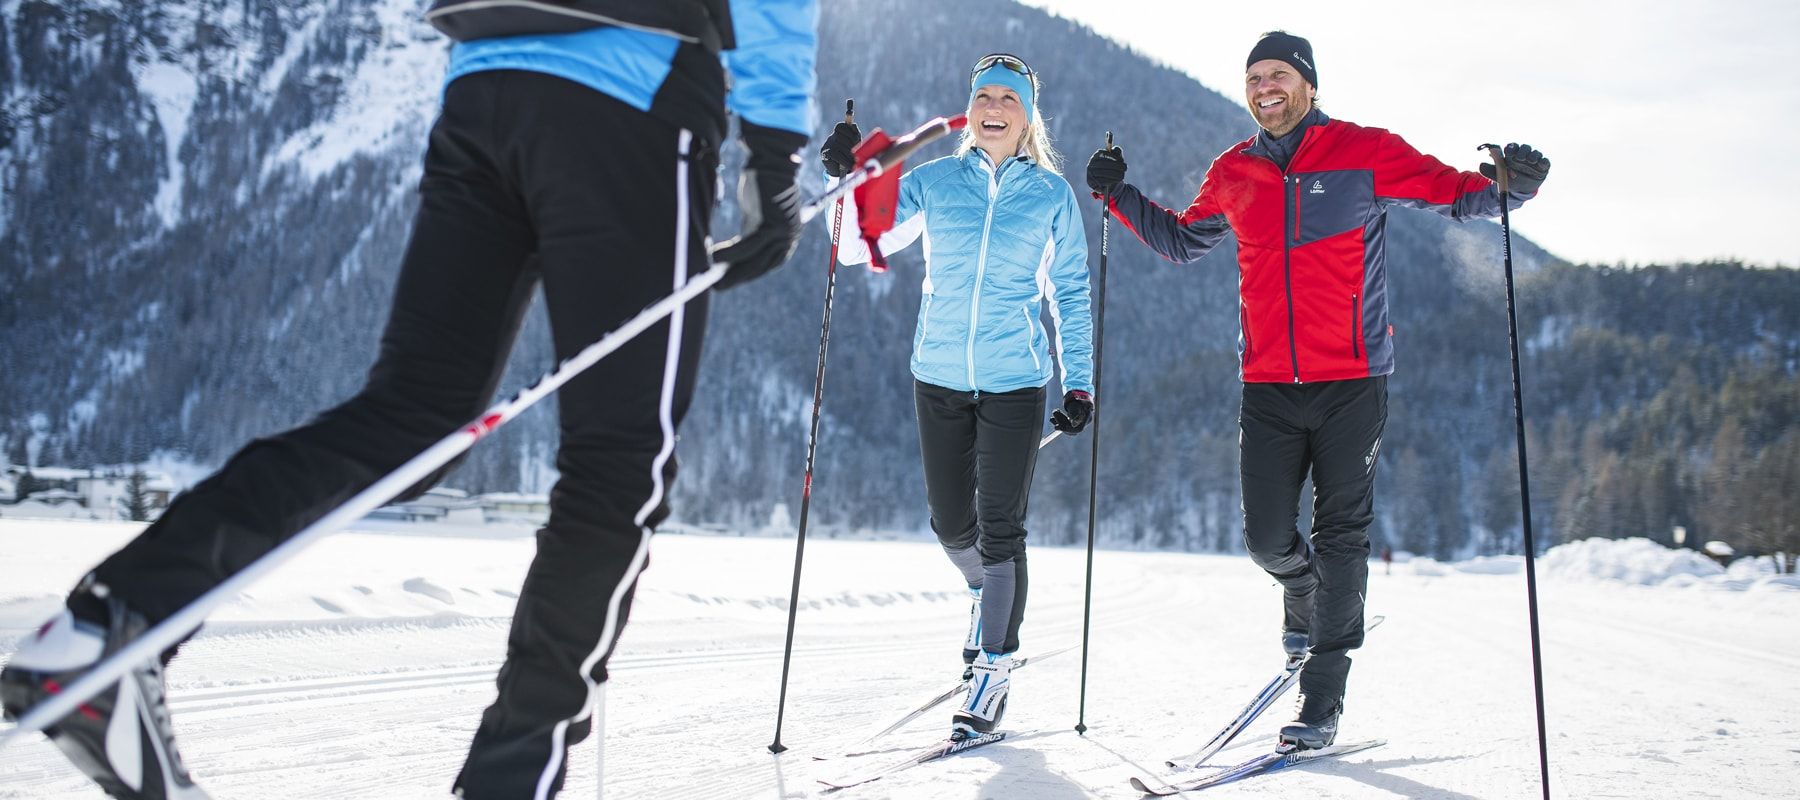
{"points": [[1286, 47]]}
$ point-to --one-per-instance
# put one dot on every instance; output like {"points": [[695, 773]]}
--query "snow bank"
{"points": [[1645, 563], [1637, 561]]}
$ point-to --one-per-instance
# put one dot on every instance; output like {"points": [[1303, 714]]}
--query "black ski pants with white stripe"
{"points": [[1333, 430], [528, 179]]}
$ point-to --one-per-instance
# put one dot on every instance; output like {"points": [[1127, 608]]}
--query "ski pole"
{"points": [[170, 631], [1087, 602], [812, 444], [1512, 329], [163, 635]]}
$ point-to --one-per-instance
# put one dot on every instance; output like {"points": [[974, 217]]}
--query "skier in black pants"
{"points": [[586, 161], [1002, 233], [1307, 198]]}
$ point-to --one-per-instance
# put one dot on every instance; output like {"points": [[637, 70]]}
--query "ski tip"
{"points": [[1139, 784], [958, 122]]}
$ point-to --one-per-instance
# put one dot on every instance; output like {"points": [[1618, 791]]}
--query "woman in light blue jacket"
{"points": [[1002, 235]]}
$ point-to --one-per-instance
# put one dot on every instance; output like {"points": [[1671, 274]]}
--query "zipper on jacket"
{"points": [[1355, 328], [1287, 247], [987, 225], [1287, 268]]}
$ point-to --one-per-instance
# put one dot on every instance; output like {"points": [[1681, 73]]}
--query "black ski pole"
{"points": [[1087, 602], [812, 445], [1512, 330]]}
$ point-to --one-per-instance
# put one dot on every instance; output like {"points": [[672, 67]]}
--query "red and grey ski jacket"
{"points": [[1312, 282]]}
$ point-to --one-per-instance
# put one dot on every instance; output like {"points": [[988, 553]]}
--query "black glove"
{"points": [[839, 152], [1106, 170], [1078, 408], [1525, 169], [770, 203]]}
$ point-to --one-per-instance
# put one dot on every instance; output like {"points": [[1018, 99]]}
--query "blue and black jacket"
{"points": [[770, 67]]}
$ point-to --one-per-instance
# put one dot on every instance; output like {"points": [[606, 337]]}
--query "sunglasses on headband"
{"points": [[1005, 60]]}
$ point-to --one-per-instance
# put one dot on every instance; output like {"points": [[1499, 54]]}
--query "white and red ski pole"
{"points": [[167, 633]]}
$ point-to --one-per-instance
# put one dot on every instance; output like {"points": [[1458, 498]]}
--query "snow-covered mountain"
{"points": [[205, 202]]}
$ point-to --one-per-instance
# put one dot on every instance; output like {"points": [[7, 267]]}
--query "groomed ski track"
{"points": [[1652, 691]]}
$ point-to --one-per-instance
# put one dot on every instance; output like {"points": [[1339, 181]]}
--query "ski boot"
{"points": [[985, 704], [1316, 725], [121, 738]]}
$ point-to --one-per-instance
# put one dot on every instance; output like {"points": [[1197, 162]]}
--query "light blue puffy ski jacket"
{"points": [[995, 247]]}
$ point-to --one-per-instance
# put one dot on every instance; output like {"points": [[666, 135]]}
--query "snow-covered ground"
{"points": [[359, 671]]}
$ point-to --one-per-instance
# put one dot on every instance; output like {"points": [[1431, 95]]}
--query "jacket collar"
{"points": [[978, 158], [1265, 146]]}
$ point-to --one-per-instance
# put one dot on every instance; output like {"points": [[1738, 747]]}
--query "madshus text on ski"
{"points": [[591, 127]]}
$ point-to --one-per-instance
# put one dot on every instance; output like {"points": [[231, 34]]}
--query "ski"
{"points": [[1272, 691], [942, 749], [1281, 759], [946, 696]]}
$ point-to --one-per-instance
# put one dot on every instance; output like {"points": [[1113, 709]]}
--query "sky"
{"points": [[1670, 125]]}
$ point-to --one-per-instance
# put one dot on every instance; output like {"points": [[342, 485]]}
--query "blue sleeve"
{"points": [[771, 69], [1072, 308]]}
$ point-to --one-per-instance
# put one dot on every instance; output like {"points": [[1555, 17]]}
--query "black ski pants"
{"points": [[528, 179], [980, 449], [1333, 430]]}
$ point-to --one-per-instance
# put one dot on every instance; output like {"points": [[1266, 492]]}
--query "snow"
{"points": [[382, 108], [359, 670], [171, 90]]}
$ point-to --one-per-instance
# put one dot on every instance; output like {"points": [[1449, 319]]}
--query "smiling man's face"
{"points": [[1277, 96]]}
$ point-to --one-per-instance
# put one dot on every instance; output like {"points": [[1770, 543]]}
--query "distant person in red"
{"points": [[1387, 559], [1307, 198]]}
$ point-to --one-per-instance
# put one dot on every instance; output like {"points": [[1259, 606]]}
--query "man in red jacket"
{"points": [[1307, 197]]}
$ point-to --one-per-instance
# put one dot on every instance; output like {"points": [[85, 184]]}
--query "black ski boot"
{"points": [[1317, 725], [121, 738]]}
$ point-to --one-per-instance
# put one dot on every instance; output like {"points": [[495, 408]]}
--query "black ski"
{"points": [[1272, 691]]}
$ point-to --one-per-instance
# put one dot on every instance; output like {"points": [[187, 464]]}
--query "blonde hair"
{"points": [[1036, 138]]}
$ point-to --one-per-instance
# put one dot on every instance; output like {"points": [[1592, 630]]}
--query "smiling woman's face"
{"points": [[998, 118]]}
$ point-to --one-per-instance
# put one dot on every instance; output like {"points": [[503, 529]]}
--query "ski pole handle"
{"points": [[1500, 169], [894, 154], [850, 110]]}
